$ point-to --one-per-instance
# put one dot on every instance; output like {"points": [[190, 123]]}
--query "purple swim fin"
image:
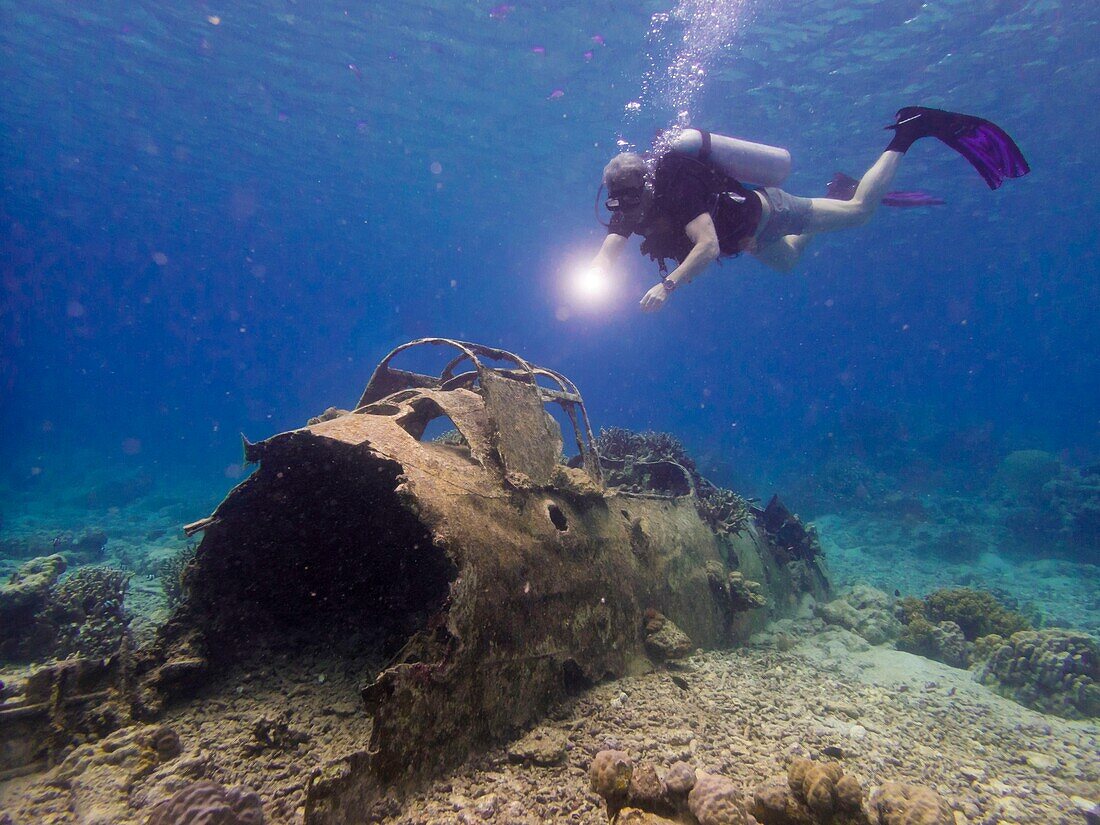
{"points": [[986, 145], [842, 188]]}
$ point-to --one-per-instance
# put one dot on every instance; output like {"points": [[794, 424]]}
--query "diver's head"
{"points": [[625, 179]]}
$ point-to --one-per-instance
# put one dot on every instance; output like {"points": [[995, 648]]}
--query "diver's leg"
{"points": [[783, 255], [830, 215]]}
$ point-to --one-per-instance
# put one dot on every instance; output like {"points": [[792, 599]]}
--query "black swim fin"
{"points": [[843, 188], [985, 144]]}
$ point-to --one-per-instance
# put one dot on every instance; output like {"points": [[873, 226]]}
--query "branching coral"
{"points": [[170, 574], [632, 460], [88, 610]]}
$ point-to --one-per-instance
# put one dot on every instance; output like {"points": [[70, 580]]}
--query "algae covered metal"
{"points": [[495, 576]]}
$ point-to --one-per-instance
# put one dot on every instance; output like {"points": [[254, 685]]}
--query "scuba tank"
{"points": [[743, 160]]}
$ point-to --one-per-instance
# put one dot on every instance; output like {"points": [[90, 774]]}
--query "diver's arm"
{"points": [[610, 250], [702, 233]]}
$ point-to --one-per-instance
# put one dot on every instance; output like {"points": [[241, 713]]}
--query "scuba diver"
{"points": [[691, 206]]}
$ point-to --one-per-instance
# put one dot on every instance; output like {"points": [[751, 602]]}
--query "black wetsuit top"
{"points": [[683, 189]]}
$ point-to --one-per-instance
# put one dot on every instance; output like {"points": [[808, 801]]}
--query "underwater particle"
{"points": [[160, 259], [454, 283], [539, 50], [214, 20], [501, 12], [75, 309], [282, 117], [131, 446], [436, 167], [562, 313], [554, 95]]}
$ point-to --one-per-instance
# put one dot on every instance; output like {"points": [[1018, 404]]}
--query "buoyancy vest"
{"points": [[734, 208]]}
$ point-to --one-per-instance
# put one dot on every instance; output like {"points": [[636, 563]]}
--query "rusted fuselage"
{"points": [[502, 578]]}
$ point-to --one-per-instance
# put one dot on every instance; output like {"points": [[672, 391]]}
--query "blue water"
{"points": [[217, 219]]}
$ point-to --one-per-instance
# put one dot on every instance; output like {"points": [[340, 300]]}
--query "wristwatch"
{"points": [[668, 284]]}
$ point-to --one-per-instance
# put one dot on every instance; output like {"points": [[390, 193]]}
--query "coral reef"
{"points": [[664, 641], [95, 780], [170, 572], [864, 610], [23, 600], [77, 548], [1024, 473], [814, 792], [1075, 497], [715, 800], [640, 462], [977, 612], [945, 625], [736, 593], [897, 803], [643, 795], [609, 775], [799, 541], [745, 594], [941, 641], [87, 608], [207, 803], [1050, 506], [83, 614], [1054, 671]]}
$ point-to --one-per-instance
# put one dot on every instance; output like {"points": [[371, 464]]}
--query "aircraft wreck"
{"points": [[500, 576]]}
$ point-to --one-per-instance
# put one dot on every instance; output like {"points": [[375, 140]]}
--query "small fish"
{"points": [[501, 12], [587, 55], [598, 40], [833, 751], [897, 592], [554, 95], [355, 71], [538, 49], [680, 682]]}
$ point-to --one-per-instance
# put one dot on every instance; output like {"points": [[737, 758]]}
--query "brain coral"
{"points": [[1055, 671], [815, 784], [645, 789], [679, 779], [715, 800], [896, 803], [208, 803], [610, 773], [774, 803]]}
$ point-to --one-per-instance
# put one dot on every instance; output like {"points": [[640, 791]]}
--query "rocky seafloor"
{"points": [[800, 689], [746, 713]]}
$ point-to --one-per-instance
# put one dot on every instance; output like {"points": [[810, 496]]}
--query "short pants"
{"points": [[789, 215]]}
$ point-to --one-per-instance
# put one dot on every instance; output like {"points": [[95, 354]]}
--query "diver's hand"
{"points": [[654, 299]]}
